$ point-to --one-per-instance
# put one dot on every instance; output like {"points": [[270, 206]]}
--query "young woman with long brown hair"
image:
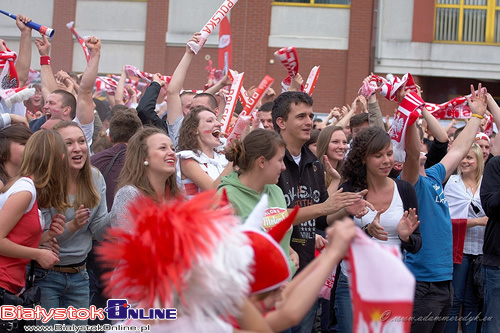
{"points": [[149, 170]]}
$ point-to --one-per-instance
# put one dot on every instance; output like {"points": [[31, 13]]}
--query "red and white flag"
{"points": [[459, 211], [382, 288]]}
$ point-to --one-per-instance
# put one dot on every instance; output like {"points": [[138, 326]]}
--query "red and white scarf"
{"points": [[8, 76], [71, 26], [136, 74]]}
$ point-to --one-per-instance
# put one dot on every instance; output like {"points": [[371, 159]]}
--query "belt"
{"points": [[67, 269]]}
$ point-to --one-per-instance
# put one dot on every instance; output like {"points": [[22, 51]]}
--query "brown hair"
{"points": [[257, 143], [369, 141], [86, 193], [67, 99], [324, 139], [16, 133], [45, 162], [188, 137], [134, 171], [123, 125]]}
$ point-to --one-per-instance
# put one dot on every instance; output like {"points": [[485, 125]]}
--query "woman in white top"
{"points": [[201, 166], [462, 193], [394, 220]]}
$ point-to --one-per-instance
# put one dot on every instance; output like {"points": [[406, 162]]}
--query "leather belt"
{"points": [[67, 269]]}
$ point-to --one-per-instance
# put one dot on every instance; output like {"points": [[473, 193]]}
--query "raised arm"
{"points": [[46, 75], [84, 101], [434, 126], [374, 114], [411, 165], [300, 294], [462, 144], [175, 86], [120, 88], [146, 108], [439, 146], [24, 59]]}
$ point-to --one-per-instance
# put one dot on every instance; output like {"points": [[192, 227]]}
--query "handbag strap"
{"points": [[112, 162]]}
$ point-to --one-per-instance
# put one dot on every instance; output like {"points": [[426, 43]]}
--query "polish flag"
{"points": [[459, 211], [382, 288]]}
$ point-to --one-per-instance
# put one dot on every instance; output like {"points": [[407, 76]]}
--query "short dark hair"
{"points": [[123, 126], [267, 106], [281, 105], [212, 101], [358, 120], [68, 99]]}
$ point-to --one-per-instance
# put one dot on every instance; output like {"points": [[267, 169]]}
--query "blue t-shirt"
{"points": [[434, 261]]}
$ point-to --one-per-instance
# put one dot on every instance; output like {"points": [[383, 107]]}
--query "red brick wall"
{"points": [[358, 55], [252, 56], [423, 21], [250, 27], [155, 48], [62, 43]]}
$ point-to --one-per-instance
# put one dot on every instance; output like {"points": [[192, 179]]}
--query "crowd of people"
{"points": [[77, 160]]}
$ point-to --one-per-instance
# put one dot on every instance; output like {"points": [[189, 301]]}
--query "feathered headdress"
{"points": [[187, 255]]}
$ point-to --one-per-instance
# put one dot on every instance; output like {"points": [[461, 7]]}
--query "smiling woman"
{"points": [[149, 170], [201, 166], [394, 220], [86, 219]]}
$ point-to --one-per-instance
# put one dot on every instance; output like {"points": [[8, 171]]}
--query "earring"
{"points": [[146, 163]]}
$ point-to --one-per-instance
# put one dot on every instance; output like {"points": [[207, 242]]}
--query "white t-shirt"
{"points": [[21, 185]]}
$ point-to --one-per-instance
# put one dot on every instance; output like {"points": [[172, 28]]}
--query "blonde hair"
{"points": [[45, 162], [478, 153], [134, 171], [86, 192]]}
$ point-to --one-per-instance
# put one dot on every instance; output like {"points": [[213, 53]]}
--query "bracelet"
{"points": [[44, 60], [476, 115], [365, 229]]}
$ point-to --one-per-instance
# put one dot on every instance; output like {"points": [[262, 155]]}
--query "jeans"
{"points": [[491, 276], [343, 305], [61, 290], [432, 299], [306, 325], [463, 297]]}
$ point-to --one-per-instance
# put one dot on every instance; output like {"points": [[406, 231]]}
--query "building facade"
{"points": [[438, 41]]}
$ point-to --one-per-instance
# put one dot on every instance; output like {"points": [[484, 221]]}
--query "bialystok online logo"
{"points": [[117, 309]]}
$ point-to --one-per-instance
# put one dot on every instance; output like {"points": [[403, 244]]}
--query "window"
{"points": [[333, 3], [468, 21]]}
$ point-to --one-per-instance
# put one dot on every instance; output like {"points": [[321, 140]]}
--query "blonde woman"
{"points": [[86, 219], [462, 193]]}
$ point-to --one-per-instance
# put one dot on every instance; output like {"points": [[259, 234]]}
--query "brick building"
{"points": [[348, 39]]}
